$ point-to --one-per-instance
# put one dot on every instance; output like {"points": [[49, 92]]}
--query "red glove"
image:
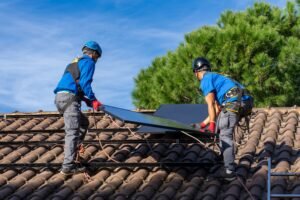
{"points": [[202, 125], [96, 104], [212, 127], [199, 125]]}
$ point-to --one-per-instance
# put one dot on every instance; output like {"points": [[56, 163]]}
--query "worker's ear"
{"points": [[95, 55]]}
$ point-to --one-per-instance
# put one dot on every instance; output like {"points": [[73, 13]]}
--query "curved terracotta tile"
{"points": [[6, 176], [30, 124], [56, 136], [256, 128], [295, 188], [87, 189], [5, 151], [259, 120], [4, 123], [278, 185], [15, 125], [234, 190], [89, 151], [15, 183], [123, 152], [8, 138], [171, 185], [152, 184], [190, 189], [111, 184], [190, 156], [158, 151], [131, 184], [276, 113], [273, 126], [26, 190], [283, 155], [69, 186], [286, 140], [291, 117], [59, 124], [50, 155], [251, 144], [107, 150], [211, 190], [258, 184], [49, 187], [15, 155], [44, 124], [23, 138]]}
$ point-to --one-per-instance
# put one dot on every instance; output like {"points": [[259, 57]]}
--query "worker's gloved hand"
{"points": [[212, 127], [96, 104], [202, 125], [199, 125]]}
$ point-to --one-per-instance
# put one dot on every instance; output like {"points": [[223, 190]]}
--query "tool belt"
{"points": [[236, 92], [242, 108]]}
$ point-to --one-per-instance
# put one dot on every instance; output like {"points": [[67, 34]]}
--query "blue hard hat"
{"points": [[94, 46]]}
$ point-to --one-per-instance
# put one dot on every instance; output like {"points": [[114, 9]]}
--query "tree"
{"points": [[259, 47]]}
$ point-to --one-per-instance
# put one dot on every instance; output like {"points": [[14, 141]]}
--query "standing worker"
{"points": [[227, 101], [74, 87]]}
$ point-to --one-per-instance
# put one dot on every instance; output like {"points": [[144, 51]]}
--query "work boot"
{"points": [[224, 174], [72, 171], [228, 175]]}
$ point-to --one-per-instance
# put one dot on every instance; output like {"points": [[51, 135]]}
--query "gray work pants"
{"points": [[226, 122], [76, 125]]}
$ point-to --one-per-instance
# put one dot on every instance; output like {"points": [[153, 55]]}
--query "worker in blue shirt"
{"points": [[227, 101], [74, 87]]}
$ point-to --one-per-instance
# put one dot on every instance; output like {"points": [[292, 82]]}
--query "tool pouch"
{"points": [[232, 107]]}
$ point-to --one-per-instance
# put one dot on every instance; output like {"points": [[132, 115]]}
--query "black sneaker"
{"points": [[225, 174], [71, 171], [229, 176]]}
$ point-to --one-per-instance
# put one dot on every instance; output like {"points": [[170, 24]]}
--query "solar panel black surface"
{"points": [[184, 113], [144, 119]]}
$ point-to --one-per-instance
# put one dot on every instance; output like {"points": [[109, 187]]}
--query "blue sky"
{"points": [[40, 37]]}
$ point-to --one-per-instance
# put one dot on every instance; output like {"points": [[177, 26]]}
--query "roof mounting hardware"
{"points": [[279, 174], [115, 165], [42, 114], [129, 141], [62, 130]]}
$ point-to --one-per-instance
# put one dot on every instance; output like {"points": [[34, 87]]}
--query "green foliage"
{"points": [[259, 47]]}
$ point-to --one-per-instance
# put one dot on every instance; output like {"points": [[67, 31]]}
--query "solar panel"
{"points": [[184, 113], [145, 119]]}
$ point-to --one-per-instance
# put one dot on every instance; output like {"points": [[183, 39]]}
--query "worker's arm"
{"points": [[87, 69], [210, 100], [217, 110], [212, 112]]}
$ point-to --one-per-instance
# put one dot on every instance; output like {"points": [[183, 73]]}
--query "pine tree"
{"points": [[259, 47]]}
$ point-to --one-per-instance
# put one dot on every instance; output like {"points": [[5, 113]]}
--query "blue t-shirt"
{"points": [[86, 67], [220, 85]]}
